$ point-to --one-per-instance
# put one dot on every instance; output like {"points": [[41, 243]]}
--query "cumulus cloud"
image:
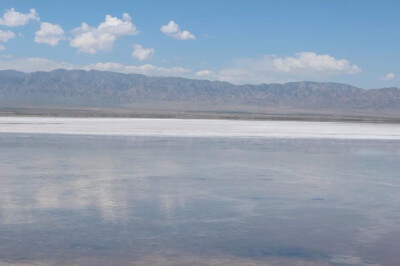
{"points": [[172, 29], [31, 64], [49, 33], [6, 35], [12, 18], [388, 76], [93, 39], [308, 61], [271, 68], [142, 53], [204, 72]]}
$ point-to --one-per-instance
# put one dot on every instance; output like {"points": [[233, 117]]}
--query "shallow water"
{"points": [[122, 200]]}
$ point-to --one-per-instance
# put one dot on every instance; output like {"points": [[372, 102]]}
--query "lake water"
{"points": [[153, 192]]}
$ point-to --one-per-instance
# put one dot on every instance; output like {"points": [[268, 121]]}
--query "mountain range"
{"points": [[101, 89]]}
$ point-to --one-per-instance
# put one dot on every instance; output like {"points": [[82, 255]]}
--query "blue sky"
{"points": [[349, 41]]}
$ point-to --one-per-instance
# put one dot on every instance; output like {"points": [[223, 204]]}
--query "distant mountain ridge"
{"points": [[79, 88]]}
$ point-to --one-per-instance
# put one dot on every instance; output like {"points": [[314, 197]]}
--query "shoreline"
{"points": [[205, 115], [198, 128]]}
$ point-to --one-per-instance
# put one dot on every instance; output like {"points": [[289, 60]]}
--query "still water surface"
{"points": [[136, 200]]}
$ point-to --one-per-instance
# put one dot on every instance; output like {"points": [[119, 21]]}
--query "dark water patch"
{"points": [[288, 252], [318, 199], [200, 178]]}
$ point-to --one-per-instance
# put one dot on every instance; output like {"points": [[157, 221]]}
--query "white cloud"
{"points": [[12, 18], [204, 72], [142, 53], [31, 64], [271, 68], [308, 61], [6, 35], [388, 76], [91, 40], [49, 33], [172, 29]]}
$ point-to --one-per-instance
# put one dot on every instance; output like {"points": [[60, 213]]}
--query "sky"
{"points": [[348, 41]]}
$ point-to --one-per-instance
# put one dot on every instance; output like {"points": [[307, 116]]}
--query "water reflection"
{"points": [[97, 200]]}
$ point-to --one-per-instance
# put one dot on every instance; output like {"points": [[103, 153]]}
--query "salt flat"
{"points": [[198, 128]]}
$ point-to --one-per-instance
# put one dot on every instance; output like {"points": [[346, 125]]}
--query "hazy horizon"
{"points": [[211, 80]]}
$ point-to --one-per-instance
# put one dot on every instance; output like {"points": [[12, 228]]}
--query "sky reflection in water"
{"points": [[96, 200]]}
